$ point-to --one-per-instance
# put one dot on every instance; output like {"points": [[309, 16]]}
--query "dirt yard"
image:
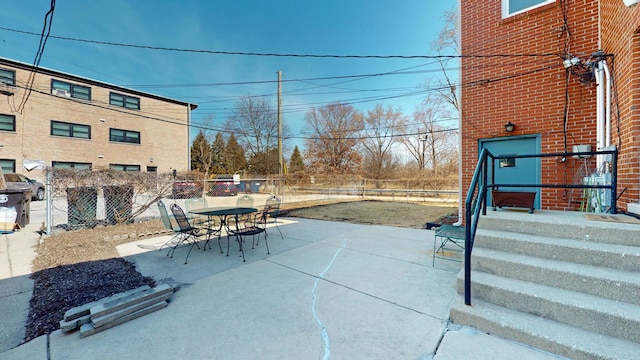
{"points": [[409, 215], [77, 267]]}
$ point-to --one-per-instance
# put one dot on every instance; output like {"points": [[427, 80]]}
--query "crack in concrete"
{"points": [[324, 332]]}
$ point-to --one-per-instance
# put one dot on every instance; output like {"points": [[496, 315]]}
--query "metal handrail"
{"points": [[473, 205]]}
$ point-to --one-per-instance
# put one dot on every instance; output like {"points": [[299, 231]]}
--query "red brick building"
{"points": [[533, 63]]}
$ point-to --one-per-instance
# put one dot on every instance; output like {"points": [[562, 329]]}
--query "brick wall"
{"points": [[621, 37], [163, 144], [529, 91]]}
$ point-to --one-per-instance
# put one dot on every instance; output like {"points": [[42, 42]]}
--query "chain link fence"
{"points": [[88, 198], [420, 189]]}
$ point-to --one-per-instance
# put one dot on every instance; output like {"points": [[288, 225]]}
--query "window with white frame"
{"points": [[513, 7]]}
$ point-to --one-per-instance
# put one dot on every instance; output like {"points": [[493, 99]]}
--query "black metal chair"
{"points": [[189, 233], [272, 210], [251, 226]]}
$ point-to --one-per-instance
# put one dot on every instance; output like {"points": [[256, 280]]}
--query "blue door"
{"points": [[515, 171]]}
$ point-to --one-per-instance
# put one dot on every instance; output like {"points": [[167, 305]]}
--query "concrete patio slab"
{"points": [[468, 343], [327, 290]]}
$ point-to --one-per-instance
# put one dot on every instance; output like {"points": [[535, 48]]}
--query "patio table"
{"points": [[223, 214]]}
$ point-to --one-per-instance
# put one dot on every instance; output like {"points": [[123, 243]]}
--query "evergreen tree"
{"points": [[264, 163], [218, 150], [200, 153], [296, 163], [234, 156]]}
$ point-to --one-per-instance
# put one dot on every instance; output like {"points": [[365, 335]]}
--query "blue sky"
{"points": [[334, 27]]}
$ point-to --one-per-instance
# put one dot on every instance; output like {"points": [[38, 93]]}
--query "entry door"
{"points": [[515, 171]]}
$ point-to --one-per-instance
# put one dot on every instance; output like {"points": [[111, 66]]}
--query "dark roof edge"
{"points": [[46, 71]]}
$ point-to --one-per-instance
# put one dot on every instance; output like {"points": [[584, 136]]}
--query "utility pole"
{"points": [[280, 158]]}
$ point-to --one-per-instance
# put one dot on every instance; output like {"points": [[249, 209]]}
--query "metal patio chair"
{"points": [[189, 233], [196, 203], [272, 210], [168, 224]]}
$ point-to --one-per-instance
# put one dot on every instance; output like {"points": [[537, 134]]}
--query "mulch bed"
{"points": [[61, 288]]}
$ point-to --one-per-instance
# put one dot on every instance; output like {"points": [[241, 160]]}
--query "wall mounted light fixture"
{"points": [[509, 126]]}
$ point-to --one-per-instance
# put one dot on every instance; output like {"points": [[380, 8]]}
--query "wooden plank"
{"points": [[128, 300], [113, 316], [71, 325], [89, 329], [84, 310]]}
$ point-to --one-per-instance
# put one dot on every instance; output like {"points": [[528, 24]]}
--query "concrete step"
{"points": [[592, 313], [562, 224], [623, 257], [541, 333], [613, 284]]}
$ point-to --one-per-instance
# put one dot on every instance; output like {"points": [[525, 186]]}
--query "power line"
{"points": [[242, 53], [44, 36]]}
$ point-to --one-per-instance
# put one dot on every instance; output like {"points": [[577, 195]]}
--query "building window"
{"points": [[79, 131], [125, 101], [152, 169], [507, 162], [123, 167], [125, 136], [70, 165], [7, 122], [8, 165], [513, 7], [7, 77], [62, 88]]}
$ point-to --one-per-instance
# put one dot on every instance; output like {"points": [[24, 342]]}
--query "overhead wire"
{"points": [[44, 36], [353, 77], [246, 53]]}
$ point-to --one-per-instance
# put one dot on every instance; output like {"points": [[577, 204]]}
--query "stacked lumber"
{"points": [[114, 310]]}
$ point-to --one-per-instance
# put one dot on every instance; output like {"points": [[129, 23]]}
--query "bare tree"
{"points": [[427, 141], [382, 128], [255, 125], [447, 46], [333, 147]]}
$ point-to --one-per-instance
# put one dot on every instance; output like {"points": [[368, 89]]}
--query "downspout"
{"points": [[603, 110], [599, 112], [459, 90], [607, 114]]}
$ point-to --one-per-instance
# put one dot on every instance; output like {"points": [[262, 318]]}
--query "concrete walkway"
{"points": [[328, 290]]}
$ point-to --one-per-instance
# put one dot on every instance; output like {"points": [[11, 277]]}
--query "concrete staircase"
{"points": [[557, 282]]}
